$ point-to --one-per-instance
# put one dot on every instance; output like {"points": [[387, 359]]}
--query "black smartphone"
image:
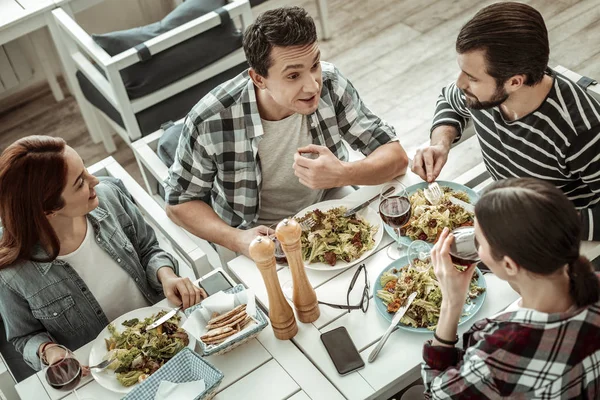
{"points": [[214, 283], [342, 350]]}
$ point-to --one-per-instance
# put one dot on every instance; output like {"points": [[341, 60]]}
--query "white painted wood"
{"points": [[240, 362], [275, 384], [40, 44], [31, 388], [21, 65], [92, 73], [324, 19], [300, 396], [65, 49], [8, 78], [593, 90], [300, 368]]}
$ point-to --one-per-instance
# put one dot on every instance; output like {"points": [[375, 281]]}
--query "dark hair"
{"points": [[33, 174], [514, 38], [283, 27], [536, 225]]}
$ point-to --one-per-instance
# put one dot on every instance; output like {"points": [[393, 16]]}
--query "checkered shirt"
{"points": [[217, 156], [520, 355]]}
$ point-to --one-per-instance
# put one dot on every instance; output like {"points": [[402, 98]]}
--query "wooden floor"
{"points": [[398, 53]]}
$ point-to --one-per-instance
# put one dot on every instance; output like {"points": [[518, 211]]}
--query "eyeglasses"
{"points": [[364, 301]]}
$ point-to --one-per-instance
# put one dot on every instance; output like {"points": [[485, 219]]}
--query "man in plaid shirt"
{"points": [[242, 156]]}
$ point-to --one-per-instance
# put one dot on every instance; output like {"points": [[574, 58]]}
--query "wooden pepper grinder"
{"points": [[262, 251], [305, 299]]}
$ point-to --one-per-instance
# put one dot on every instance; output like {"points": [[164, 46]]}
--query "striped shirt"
{"points": [[525, 354], [559, 142], [217, 157]]}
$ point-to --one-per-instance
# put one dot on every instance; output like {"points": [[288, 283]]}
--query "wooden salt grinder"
{"points": [[305, 299], [262, 251]]}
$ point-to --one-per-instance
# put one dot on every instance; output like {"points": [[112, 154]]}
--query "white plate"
{"points": [[107, 377], [367, 213]]}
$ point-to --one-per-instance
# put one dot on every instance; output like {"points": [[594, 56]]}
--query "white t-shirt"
{"points": [[282, 195], [114, 289]]}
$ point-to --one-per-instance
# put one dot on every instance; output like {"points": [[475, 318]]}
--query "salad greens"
{"points": [[425, 309], [428, 221], [139, 352], [335, 237]]}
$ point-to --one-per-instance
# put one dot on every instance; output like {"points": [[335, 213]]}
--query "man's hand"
{"points": [[324, 172], [429, 161], [180, 291], [245, 237]]}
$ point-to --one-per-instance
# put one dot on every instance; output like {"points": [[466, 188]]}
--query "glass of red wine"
{"points": [[463, 250], [394, 208], [419, 250], [61, 368]]}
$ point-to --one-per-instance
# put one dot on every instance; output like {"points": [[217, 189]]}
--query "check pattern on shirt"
{"points": [[559, 142], [217, 156], [520, 355]]}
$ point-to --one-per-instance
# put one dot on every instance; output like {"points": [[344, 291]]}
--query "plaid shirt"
{"points": [[522, 355], [217, 156]]}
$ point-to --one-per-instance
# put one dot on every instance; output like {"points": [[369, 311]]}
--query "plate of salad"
{"points": [[427, 221], [397, 281], [138, 352], [337, 242]]}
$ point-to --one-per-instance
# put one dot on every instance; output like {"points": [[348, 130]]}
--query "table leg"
{"points": [[39, 45], [322, 8]]}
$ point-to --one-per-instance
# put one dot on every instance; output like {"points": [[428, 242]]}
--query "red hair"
{"points": [[33, 174]]}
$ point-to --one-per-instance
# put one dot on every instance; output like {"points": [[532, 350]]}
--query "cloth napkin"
{"points": [[220, 302], [179, 391]]}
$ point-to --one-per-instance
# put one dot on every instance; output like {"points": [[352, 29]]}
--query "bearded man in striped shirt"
{"points": [[530, 120]]}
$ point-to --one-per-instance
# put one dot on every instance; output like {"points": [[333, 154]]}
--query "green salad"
{"points": [[335, 237], [428, 221], [139, 352], [425, 309]]}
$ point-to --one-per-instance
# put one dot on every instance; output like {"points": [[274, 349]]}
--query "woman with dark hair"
{"points": [[74, 253], [528, 233]]}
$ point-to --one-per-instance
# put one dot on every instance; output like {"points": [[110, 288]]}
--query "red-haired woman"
{"points": [[74, 253]]}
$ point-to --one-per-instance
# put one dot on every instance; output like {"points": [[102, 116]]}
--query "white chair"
{"points": [[592, 89], [79, 52], [194, 257]]}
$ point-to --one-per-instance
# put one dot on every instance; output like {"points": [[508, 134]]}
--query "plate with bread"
{"points": [[225, 320]]}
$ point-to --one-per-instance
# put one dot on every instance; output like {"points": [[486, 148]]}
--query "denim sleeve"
{"points": [[152, 257], [23, 330]]}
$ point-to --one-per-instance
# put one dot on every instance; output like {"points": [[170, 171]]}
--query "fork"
{"points": [[104, 363], [307, 224], [433, 193]]}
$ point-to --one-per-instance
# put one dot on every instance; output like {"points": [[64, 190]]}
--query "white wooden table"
{"points": [[264, 368], [398, 364], [19, 18]]}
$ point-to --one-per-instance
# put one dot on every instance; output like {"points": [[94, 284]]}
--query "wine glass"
{"points": [[419, 250], [280, 257], [463, 250], [394, 208], [61, 369]]}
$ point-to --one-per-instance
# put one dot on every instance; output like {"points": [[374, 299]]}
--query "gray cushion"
{"points": [[171, 109], [178, 61], [167, 144]]}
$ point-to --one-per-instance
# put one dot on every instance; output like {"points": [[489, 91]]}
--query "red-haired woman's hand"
{"points": [[454, 284]]}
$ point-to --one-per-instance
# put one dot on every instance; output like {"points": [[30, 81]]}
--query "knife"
{"points": [[468, 207], [366, 203], [397, 317], [163, 319]]}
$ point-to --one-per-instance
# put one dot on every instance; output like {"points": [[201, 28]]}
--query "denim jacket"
{"points": [[48, 301]]}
